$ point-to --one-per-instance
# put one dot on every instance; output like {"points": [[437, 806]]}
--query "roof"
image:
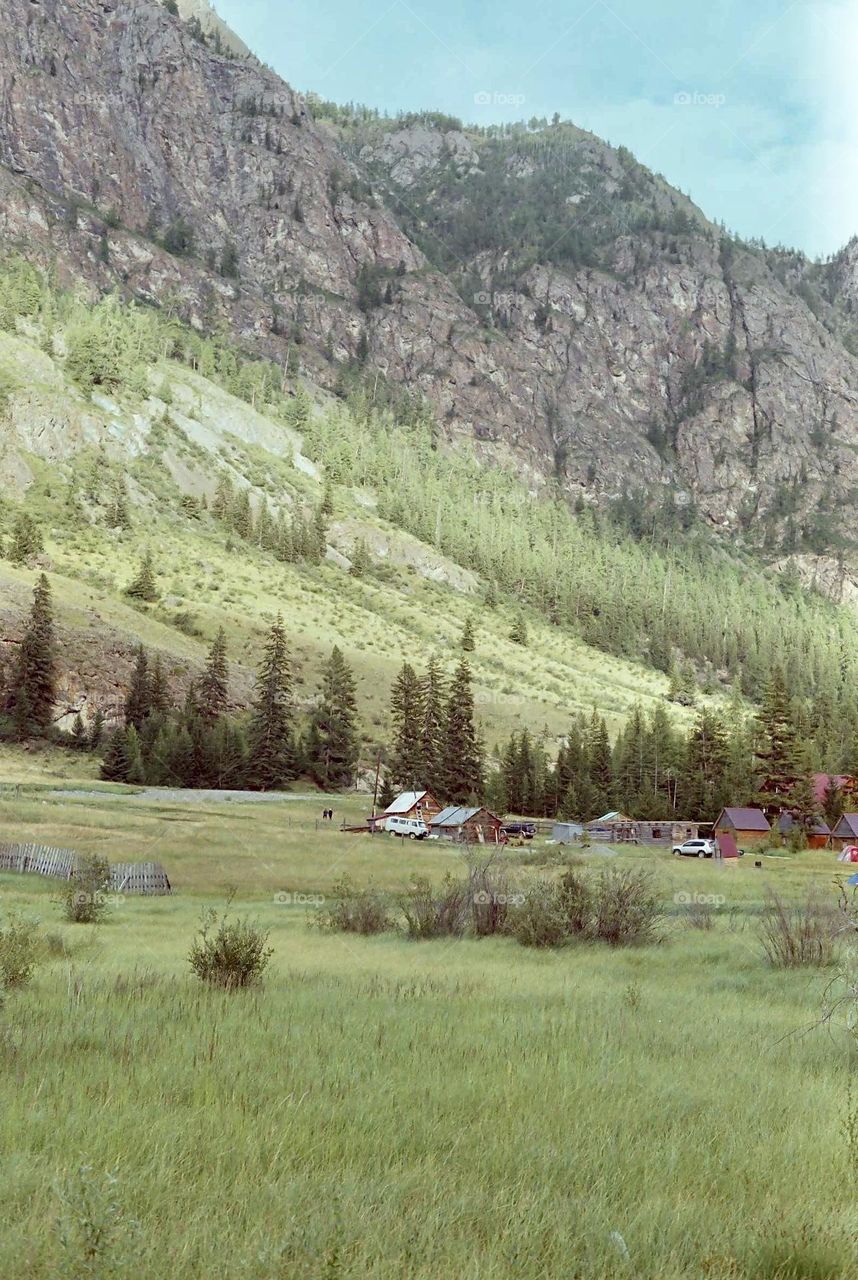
{"points": [[613, 816], [818, 827], [847, 826], [405, 803], [745, 819], [822, 781], [456, 816]]}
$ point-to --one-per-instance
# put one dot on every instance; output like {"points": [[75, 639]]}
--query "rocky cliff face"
{"points": [[654, 355]]}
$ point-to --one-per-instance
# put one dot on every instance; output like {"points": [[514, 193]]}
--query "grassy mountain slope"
{"points": [[66, 452]]}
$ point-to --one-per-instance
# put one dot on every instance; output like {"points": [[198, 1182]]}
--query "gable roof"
{"points": [[786, 822], [404, 803], [745, 819], [457, 815], [847, 826]]}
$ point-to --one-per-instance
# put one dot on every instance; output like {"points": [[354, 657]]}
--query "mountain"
{"points": [[531, 374], [556, 302]]}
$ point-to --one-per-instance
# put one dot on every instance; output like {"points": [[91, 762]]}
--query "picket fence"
{"points": [[146, 879]]}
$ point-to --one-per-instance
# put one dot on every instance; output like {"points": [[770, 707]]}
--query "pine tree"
{"points": [[468, 641], [117, 762], [96, 733], [224, 497], [601, 771], [387, 792], [138, 703], [361, 559], [144, 587], [704, 781], [333, 746], [518, 634], [433, 699], [833, 802], [212, 689], [136, 771], [79, 740], [462, 765], [33, 688], [160, 697], [408, 760], [241, 515], [272, 761], [776, 752], [26, 542]]}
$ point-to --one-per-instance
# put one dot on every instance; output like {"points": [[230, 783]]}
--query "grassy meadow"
{"points": [[384, 1108]]}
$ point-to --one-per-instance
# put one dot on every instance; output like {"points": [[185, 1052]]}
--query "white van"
{"points": [[413, 828]]}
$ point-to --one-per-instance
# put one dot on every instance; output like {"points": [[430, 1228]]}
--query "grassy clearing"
{"points": [[391, 1109]]}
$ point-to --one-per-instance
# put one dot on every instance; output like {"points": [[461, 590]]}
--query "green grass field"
{"points": [[390, 1109]]}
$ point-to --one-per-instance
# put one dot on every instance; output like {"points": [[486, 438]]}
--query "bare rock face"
{"points": [[669, 363]]}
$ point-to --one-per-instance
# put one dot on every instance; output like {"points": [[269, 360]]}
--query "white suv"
{"points": [[413, 828], [695, 849]]}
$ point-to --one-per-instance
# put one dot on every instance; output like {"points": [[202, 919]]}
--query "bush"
{"points": [[628, 911], [540, 920], [575, 898], [797, 934], [353, 910], [19, 949], [491, 897], [431, 913], [229, 953], [84, 898]]}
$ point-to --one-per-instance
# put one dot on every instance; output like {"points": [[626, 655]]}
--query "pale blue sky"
{"points": [[750, 105]]}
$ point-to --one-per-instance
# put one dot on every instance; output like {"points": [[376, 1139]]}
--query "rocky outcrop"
{"points": [[668, 364]]}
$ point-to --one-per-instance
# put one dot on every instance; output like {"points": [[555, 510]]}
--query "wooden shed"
{"points": [[846, 831], [818, 837], [747, 826], [469, 825], [413, 804]]}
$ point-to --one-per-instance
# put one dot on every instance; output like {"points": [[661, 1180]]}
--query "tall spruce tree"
{"points": [[138, 703], [143, 586], [601, 768], [212, 689], [116, 763], [332, 746], [433, 695], [468, 641], [462, 764], [407, 767], [272, 757], [31, 698], [776, 752], [704, 787]]}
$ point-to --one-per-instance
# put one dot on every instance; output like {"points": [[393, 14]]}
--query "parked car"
{"points": [[410, 828], [695, 849], [523, 830]]}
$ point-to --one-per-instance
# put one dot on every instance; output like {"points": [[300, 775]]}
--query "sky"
{"points": [[750, 106]]}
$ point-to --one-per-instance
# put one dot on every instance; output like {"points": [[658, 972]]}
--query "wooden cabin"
{"points": [[818, 836], [616, 828], [414, 804], [747, 826], [846, 831], [468, 825]]}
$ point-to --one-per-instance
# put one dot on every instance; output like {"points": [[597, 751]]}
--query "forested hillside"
{"points": [[353, 517]]}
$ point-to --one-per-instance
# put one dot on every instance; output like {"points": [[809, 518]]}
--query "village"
{"points": [[418, 815]]}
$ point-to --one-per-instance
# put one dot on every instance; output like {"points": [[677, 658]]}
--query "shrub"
{"points": [[800, 933], [575, 899], [19, 949], [540, 920], [352, 910], [490, 896], [84, 898], [229, 953], [431, 913], [627, 909]]}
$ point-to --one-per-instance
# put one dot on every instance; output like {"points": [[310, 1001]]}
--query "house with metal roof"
{"points": [[469, 825], [748, 826], [817, 835], [412, 804], [846, 831]]}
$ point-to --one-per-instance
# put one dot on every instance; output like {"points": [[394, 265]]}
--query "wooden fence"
{"points": [[147, 879]]}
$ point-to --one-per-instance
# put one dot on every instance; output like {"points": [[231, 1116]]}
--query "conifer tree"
{"points": [[361, 559], [143, 587], [79, 740], [461, 762], [26, 541], [387, 792], [776, 751], [333, 747], [96, 733], [433, 698], [212, 689], [704, 781], [468, 642], [138, 703], [833, 802], [241, 515], [518, 634], [117, 762], [160, 698], [136, 776], [408, 760], [272, 760], [33, 688], [601, 771]]}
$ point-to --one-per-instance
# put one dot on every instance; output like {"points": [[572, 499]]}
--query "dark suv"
{"points": [[525, 830]]}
